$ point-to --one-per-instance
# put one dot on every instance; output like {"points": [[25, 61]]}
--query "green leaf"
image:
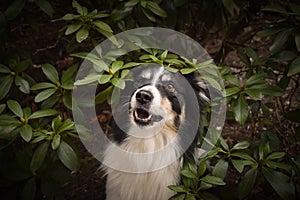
{"points": [[72, 28], [190, 197], [280, 182], [67, 79], [271, 90], [297, 41], [201, 168], [118, 82], [275, 8], [22, 84], [15, 107], [232, 80], [67, 156], [67, 125], [213, 82], [188, 174], [51, 73], [238, 165], [132, 3], [294, 67], [100, 64], [45, 6], [102, 96], [279, 41], [243, 155], [104, 78], [5, 85], [55, 141], [164, 55], [241, 145], [4, 69], [270, 31], [80, 9], [90, 78], [43, 113], [69, 17], [177, 188], [256, 94], [2, 108], [213, 180], [251, 53], [220, 169], [9, 121], [149, 15], [187, 70], [82, 34], [45, 94], [240, 109], [29, 190], [178, 197], [130, 65], [14, 9], [109, 36], [275, 156], [255, 79], [26, 132], [155, 8], [232, 91], [116, 66], [42, 85], [39, 156], [247, 183], [103, 26]]}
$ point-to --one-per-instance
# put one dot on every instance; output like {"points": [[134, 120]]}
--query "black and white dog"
{"points": [[157, 123]]}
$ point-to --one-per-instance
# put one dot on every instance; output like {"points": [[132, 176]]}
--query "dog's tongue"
{"points": [[142, 114]]}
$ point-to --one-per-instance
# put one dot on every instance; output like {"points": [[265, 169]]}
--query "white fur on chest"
{"points": [[152, 185]]}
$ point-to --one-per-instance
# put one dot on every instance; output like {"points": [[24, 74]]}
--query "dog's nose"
{"points": [[144, 97]]}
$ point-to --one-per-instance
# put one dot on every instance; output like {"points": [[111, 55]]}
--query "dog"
{"points": [[155, 125]]}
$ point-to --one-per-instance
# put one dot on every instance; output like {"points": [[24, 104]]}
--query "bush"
{"points": [[38, 136]]}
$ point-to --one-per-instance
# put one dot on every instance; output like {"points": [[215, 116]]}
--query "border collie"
{"points": [[156, 123]]}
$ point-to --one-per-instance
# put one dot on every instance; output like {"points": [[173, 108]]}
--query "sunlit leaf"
{"points": [[43, 113], [82, 34], [42, 85], [220, 169], [155, 8], [240, 109], [72, 28], [55, 141], [51, 72], [15, 107], [22, 84], [213, 180], [26, 132], [45, 94]]}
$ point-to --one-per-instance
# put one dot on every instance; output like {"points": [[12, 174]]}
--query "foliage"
{"points": [[38, 136]]}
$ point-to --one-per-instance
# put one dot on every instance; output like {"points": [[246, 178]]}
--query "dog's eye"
{"points": [[170, 87]]}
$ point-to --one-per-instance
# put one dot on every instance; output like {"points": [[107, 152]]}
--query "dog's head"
{"points": [[158, 98]]}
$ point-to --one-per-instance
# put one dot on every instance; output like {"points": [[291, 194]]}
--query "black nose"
{"points": [[144, 97]]}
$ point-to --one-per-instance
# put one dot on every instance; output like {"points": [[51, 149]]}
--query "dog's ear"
{"points": [[201, 88]]}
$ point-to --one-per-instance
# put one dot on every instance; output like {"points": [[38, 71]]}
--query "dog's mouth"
{"points": [[142, 116]]}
